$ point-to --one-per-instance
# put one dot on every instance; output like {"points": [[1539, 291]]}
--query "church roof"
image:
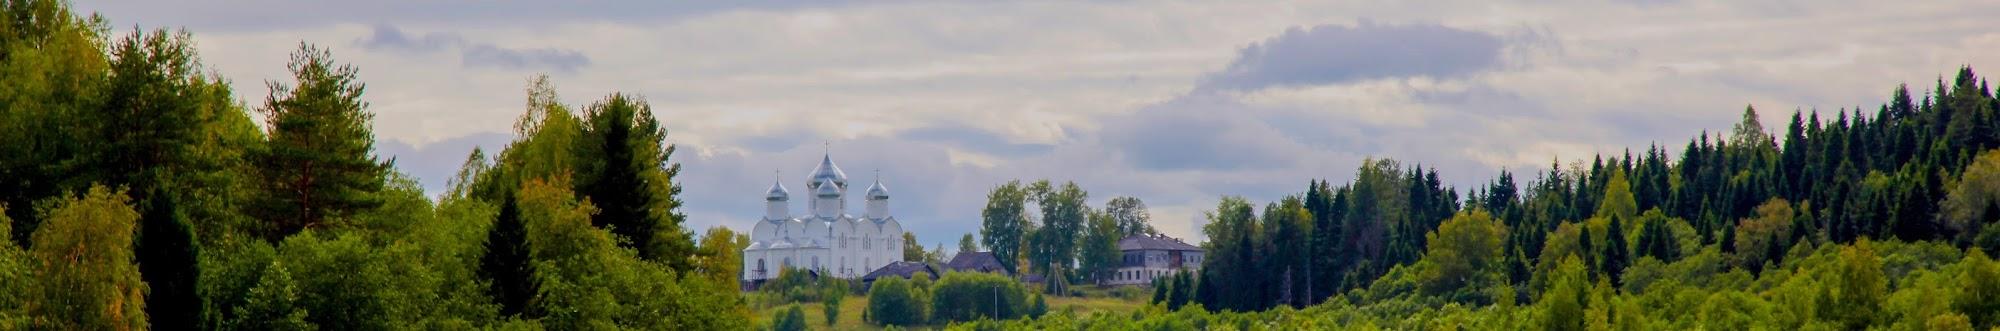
{"points": [[778, 192], [828, 188], [877, 192], [1154, 242], [827, 171]]}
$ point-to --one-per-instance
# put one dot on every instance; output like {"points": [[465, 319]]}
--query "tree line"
{"points": [[1917, 172]]}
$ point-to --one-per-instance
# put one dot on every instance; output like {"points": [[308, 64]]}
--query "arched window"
{"points": [[787, 264]]}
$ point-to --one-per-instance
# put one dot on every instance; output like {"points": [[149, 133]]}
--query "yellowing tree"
{"points": [[83, 262], [1465, 252]]}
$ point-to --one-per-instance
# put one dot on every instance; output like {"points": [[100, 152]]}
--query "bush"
{"points": [[892, 301], [798, 286], [832, 310], [1039, 308], [793, 319], [960, 297]]}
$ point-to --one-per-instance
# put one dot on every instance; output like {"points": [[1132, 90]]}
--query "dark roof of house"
{"points": [[1154, 242], [905, 269], [1033, 279], [975, 261]]}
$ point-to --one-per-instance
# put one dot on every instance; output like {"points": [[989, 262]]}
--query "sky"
{"points": [[1176, 103]]}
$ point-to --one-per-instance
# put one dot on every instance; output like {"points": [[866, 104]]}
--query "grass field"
{"points": [[850, 311]]}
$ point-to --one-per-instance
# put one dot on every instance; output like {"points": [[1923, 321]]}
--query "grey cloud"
{"points": [[473, 53], [975, 139], [1198, 132], [436, 163], [229, 15], [1335, 53]]}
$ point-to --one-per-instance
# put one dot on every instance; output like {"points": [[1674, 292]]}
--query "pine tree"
{"points": [[319, 163]]}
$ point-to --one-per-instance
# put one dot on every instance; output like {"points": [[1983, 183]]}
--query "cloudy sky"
{"points": [[1177, 103]]}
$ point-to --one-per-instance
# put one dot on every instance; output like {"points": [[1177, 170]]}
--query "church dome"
{"points": [[827, 172], [827, 188], [777, 193], [877, 192]]}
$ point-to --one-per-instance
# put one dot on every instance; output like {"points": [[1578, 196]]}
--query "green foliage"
{"points": [[968, 244], [798, 286], [831, 309], [1131, 216], [1618, 201], [1464, 256], [966, 296], [893, 301], [720, 255], [1562, 303], [1181, 290], [1038, 306], [169, 259], [1978, 289], [1098, 255], [793, 319], [1004, 223], [319, 163], [912, 251], [273, 304], [1969, 204], [628, 175], [505, 264], [1053, 246], [16, 280], [587, 281], [1855, 287], [84, 267], [1656, 238], [1617, 255]]}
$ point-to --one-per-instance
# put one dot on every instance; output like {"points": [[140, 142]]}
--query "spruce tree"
{"points": [[506, 263], [169, 261], [631, 181], [319, 163], [1616, 257]]}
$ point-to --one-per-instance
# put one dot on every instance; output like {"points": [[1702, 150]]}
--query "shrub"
{"points": [[793, 319], [960, 297], [892, 301]]}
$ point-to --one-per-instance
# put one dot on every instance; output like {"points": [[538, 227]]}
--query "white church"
{"points": [[826, 240]]}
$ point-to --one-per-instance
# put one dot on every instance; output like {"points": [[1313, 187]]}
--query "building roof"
{"points": [[827, 188], [877, 192], [1154, 242], [905, 269], [777, 193], [827, 172], [975, 262]]}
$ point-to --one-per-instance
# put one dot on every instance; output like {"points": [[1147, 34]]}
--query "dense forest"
{"points": [[1850, 220], [139, 193]]}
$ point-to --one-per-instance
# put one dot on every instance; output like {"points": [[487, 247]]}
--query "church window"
{"points": [[815, 262]]}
